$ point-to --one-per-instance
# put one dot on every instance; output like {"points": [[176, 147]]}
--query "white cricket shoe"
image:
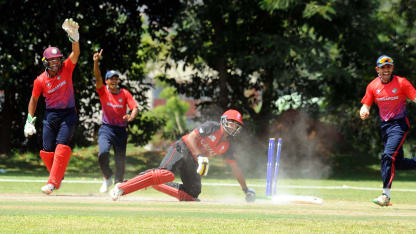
{"points": [[116, 192], [382, 200], [106, 184], [48, 189]]}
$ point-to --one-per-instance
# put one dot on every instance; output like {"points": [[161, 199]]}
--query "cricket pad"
{"points": [[47, 158], [60, 162], [151, 177], [174, 192]]}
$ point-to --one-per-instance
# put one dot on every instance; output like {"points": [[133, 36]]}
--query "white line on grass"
{"points": [[222, 184]]}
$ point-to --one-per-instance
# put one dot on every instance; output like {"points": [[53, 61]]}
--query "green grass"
{"points": [[79, 208]]}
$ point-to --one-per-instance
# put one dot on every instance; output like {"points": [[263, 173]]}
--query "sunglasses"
{"points": [[385, 60]]}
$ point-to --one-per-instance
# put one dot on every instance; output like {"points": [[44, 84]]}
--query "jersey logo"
{"points": [[378, 91], [212, 138], [48, 84], [59, 77], [120, 100], [394, 90]]}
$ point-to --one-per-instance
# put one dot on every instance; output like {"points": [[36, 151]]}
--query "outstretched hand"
{"points": [[71, 28], [96, 57]]}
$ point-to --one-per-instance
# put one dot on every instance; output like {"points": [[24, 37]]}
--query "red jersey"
{"points": [[115, 105], [390, 98], [211, 141], [58, 90]]}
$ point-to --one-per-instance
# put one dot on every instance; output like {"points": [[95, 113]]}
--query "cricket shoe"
{"points": [[115, 193], [382, 200], [106, 184], [48, 189]]}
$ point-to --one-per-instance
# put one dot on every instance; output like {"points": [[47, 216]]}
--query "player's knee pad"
{"points": [[174, 192], [150, 177], [47, 158]]}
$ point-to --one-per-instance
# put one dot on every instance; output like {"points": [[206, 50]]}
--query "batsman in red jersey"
{"points": [[189, 156], [55, 84], [390, 93]]}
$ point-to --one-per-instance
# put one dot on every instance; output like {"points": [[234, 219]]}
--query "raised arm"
{"points": [[75, 52], [97, 73], [71, 28]]}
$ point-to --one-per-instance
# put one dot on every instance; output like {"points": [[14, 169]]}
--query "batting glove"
{"points": [[30, 126], [203, 165], [250, 195], [71, 28]]}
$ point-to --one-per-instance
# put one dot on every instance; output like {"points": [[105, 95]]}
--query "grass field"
{"points": [[78, 207]]}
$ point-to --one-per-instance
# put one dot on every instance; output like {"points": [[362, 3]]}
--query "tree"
{"points": [[248, 54], [173, 113]]}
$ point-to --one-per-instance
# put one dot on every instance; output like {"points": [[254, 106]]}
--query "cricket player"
{"points": [[55, 84], [390, 92], [114, 102], [189, 156]]}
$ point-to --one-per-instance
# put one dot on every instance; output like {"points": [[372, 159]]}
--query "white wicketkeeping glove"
{"points": [[30, 126], [71, 27], [203, 165]]}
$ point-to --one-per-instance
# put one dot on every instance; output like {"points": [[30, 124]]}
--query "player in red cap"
{"points": [[390, 93], [114, 102], [189, 156], [55, 84]]}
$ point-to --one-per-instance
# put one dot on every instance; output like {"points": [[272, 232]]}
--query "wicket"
{"points": [[271, 180]]}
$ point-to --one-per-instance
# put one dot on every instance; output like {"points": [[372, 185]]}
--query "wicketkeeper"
{"points": [[55, 84], [189, 156]]}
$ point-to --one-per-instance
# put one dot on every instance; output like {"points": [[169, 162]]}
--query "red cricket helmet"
{"points": [[51, 52], [232, 121]]}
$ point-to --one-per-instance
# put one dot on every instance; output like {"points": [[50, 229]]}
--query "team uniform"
{"points": [[189, 157], [60, 119], [391, 101], [113, 130], [180, 159]]}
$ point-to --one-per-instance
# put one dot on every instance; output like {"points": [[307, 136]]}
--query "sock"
{"points": [[386, 191]]}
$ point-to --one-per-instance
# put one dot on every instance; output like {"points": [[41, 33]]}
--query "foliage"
{"points": [[249, 55], [173, 112]]}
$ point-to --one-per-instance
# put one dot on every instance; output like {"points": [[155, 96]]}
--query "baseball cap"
{"points": [[51, 52], [111, 73], [383, 60]]}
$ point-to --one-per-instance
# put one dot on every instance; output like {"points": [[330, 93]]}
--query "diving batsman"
{"points": [[189, 156]]}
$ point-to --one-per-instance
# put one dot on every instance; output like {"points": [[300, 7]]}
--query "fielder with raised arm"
{"points": [[189, 156], [114, 102], [390, 93], [55, 84]]}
